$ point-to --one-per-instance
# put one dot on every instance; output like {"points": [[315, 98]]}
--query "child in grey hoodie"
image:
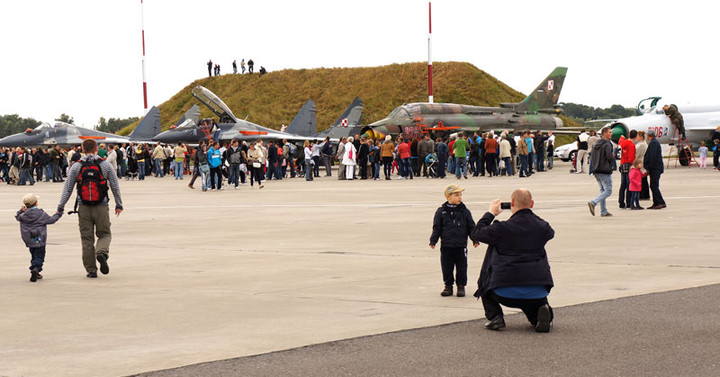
{"points": [[33, 230]]}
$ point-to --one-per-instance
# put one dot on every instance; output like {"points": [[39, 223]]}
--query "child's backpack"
{"points": [[92, 185]]}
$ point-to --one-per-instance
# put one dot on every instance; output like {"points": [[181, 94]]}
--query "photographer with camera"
{"points": [[515, 271]]}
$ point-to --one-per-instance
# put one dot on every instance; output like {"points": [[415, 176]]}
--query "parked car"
{"points": [[568, 152]]}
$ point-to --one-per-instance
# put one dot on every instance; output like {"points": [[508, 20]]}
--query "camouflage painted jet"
{"points": [[538, 111], [66, 135]]}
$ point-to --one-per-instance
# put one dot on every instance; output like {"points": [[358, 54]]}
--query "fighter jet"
{"points": [[349, 123], [700, 122], [538, 111], [66, 135], [229, 127]]}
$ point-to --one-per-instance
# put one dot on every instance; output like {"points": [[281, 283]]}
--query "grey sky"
{"points": [[83, 57]]}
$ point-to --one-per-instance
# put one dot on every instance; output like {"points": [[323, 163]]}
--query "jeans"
{"points": [[57, 173], [316, 168], [204, 175], [634, 199], [327, 160], [270, 170], [308, 170], [48, 172], [234, 174], [508, 165], [159, 168], [655, 187], [141, 170], [605, 183], [624, 195], [216, 178], [461, 166], [26, 174], [5, 172], [491, 304], [37, 257], [540, 162], [376, 170], [278, 170], [523, 165], [405, 169], [550, 162], [178, 170]]}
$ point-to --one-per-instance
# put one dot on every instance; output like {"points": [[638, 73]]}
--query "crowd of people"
{"points": [[214, 68]]}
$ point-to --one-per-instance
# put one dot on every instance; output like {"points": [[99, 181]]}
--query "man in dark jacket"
{"points": [[602, 167], [515, 271], [653, 163], [442, 155]]}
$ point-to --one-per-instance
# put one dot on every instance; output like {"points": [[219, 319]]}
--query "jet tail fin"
{"points": [[352, 115], [193, 114], [148, 127], [545, 96], [304, 123]]}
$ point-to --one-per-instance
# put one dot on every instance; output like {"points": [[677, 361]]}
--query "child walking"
{"points": [[33, 230], [703, 155], [453, 223], [636, 175]]}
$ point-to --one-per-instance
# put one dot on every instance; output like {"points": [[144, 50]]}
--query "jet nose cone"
{"points": [[164, 137], [12, 141]]}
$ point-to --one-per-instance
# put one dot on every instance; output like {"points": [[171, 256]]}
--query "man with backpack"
{"points": [[92, 176]]}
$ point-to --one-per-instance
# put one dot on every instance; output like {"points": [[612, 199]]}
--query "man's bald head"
{"points": [[521, 199]]}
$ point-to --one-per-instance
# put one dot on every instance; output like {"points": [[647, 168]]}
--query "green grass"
{"points": [[275, 98]]}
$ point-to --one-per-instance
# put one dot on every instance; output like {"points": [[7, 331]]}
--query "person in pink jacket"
{"points": [[636, 176]]}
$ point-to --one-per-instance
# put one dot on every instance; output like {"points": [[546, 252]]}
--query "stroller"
{"points": [[132, 171], [431, 161]]}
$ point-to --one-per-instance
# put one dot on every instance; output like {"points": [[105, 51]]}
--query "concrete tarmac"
{"points": [[202, 276], [659, 334]]}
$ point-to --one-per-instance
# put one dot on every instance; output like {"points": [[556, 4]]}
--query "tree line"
{"points": [[12, 124], [582, 113]]}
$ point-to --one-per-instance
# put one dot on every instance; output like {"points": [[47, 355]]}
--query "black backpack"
{"points": [[92, 185]]}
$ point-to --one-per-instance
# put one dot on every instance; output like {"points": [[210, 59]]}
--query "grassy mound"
{"points": [[275, 98]]}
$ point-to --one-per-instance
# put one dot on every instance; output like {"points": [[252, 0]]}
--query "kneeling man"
{"points": [[515, 271]]}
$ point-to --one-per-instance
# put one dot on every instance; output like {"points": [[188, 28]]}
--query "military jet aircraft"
{"points": [[700, 122], [66, 135], [538, 111], [229, 127], [349, 123]]}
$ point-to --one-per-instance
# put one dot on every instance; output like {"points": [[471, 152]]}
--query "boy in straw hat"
{"points": [[33, 230], [453, 223]]}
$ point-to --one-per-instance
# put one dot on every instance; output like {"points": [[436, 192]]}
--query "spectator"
{"points": [[210, 67], [307, 150], [215, 162], [33, 230], [654, 165], [234, 65], [179, 155], [626, 161], [582, 150], [262, 72], [250, 66], [515, 271], [242, 66], [603, 158], [349, 158]]}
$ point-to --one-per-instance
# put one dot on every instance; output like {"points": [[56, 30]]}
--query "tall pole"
{"points": [[142, 25], [430, 70]]}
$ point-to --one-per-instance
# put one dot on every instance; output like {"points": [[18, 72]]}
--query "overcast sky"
{"points": [[83, 57]]}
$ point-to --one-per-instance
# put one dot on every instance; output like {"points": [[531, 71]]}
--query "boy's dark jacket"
{"points": [[516, 251], [453, 224], [33, 225]]}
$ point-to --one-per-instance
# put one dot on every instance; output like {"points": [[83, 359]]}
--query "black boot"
{"points": [[448, 291], [461, 291]]}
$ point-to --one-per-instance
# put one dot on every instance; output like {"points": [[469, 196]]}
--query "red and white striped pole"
{"points": [[430, 70], [142, 25]]}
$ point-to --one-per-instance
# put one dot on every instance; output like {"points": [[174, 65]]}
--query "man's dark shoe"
{"points": [[92, 275], [448, 291], [543, 319], [496, 324], [591, 206], [461, 291], [102, 259], [606, 214], [39, 276], [34, 275], [659, 206]]}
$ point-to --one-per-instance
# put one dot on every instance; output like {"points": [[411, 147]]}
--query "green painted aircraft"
{"points": [[538, 111]]}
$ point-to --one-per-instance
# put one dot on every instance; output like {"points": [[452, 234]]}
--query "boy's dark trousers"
{"points": [[37, 257], [491, 304], [454, 258]]}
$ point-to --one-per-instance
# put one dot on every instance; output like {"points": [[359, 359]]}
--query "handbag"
{"points": [[256, 165], [625, 168]]}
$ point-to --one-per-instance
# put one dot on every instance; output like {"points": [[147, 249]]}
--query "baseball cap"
{"points": [[30, 199], [451, 189]]}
